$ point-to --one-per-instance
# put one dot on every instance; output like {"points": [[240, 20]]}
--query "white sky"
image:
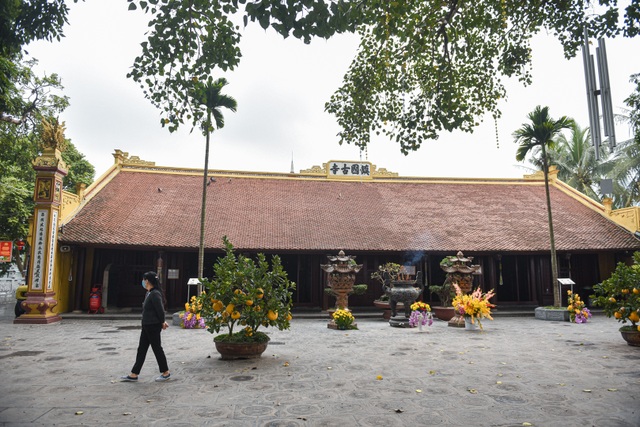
{"points": [[281, 87]]}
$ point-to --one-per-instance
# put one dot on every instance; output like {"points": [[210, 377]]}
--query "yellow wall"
{"points": [[61, 285]]}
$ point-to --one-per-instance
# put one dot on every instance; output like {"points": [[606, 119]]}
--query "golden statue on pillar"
{"points": [[52, 143]]}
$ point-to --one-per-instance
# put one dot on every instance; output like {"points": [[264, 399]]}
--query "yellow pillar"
{"points": [[50, 170]]}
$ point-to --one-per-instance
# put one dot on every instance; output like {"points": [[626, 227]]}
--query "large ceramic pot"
{"points": [[630, 336], [240, 350], [444, 313]]}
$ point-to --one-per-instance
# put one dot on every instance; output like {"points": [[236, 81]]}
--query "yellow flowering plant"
{"points": [[578, 312], [191, 317], [343, 319], [246, 293], [476, 305]]}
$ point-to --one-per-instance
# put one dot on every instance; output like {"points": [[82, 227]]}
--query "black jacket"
{"points": [[152, 308]]}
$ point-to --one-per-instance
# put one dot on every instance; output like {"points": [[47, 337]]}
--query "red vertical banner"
{"points": [[5, 251]]}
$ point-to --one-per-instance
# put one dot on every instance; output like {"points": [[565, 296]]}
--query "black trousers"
{"points": [[150, 336]]}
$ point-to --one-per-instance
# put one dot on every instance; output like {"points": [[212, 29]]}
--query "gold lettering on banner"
{"points": [[42, 215]]}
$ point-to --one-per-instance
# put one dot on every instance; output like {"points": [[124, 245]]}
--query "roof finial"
{"points": [[292, 170]]}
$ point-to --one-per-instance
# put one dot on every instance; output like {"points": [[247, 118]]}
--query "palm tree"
{"points": [[210, 95], [540, 133], [626, 173], [576, 161]]}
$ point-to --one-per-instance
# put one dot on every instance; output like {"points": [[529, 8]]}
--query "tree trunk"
{"points": [[18, 260], [554, 261], [204, 200]]}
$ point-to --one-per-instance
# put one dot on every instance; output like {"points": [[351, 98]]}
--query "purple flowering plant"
{"points": [[190, 317], [578, 312], [420, 315]]}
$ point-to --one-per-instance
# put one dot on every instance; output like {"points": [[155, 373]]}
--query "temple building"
{"points": [[138, 217]]}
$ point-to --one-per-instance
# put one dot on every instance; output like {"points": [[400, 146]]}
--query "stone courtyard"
{"points": [[518, 371]]}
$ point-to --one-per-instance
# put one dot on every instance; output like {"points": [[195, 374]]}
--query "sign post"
{"points": [[565, 282], [6, 249]]}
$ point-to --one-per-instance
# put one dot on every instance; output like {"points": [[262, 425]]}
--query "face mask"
{"points": [[144, 285]]}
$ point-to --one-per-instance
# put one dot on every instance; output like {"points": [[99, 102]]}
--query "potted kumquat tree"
{"points": [[245, 295]]}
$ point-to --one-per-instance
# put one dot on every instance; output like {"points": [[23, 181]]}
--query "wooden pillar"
{"points": [[50, 170]]}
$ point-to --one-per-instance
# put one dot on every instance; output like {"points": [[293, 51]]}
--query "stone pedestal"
{"points": [[399, 322], [558, 315], [38, 309]]}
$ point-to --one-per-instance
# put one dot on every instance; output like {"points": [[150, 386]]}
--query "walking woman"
{"points": [[152, 326]]}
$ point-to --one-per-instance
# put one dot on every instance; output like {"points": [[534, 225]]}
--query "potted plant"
{"points": [[245, 295], [388, 271], [474, 306], [619, 296], [420, 315], [191, 317], [344, 319], [445, 292], [578, 312]]}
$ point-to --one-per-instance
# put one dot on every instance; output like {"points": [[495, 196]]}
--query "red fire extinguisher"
{"points": [[95, 301]]}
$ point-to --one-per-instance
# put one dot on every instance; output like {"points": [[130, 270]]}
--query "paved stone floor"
{"points": [[519, 371]]}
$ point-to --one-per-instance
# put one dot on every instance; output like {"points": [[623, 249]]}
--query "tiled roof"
{"points": [[162, 210]]}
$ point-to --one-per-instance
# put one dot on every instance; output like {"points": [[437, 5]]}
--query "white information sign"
{"points": [[52, 249]]}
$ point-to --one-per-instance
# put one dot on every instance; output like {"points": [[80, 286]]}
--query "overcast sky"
{"points": [[281, 87]]}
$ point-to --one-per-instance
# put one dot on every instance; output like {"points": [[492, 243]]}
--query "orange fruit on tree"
{"points": [[235, 315], [230, 308], [636, 291], [259, 293], [289, 317], [272, 315], [217, 306], [612, 299], [249, 302], [625, 291], [617, 315], [634, 317]]}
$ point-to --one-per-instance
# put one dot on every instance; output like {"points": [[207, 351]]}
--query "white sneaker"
{"points": [[162, 378]]}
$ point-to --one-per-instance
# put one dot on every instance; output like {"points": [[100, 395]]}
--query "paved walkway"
{"points": [[519, 371]]}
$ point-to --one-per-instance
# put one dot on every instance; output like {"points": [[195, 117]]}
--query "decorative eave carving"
{"points": [[553, 174], [315, 169], [382, 172], [122, 158]]}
